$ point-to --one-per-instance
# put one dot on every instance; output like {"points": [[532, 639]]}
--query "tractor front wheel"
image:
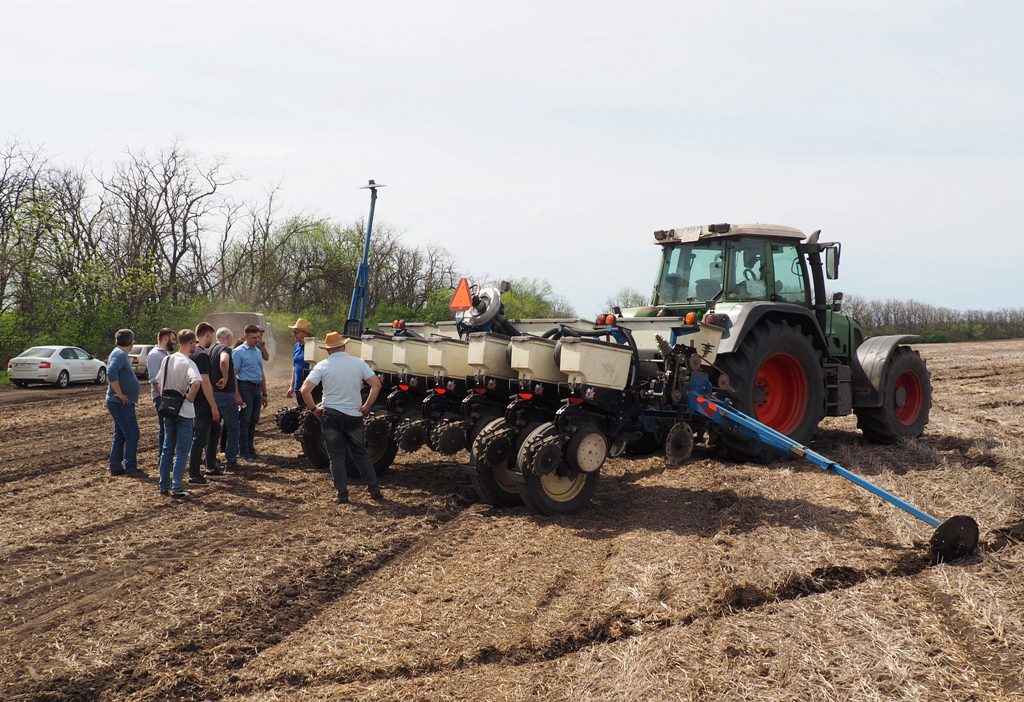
{"points": [[777, 378], [906, 400]]}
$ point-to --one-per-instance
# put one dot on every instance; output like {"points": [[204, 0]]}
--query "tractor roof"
{"points": [[698, 232]]}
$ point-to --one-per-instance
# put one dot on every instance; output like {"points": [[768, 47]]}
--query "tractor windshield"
{"points": [[690, 273]]}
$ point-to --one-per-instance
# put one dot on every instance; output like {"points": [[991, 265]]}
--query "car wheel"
{"points": [[101, 377], [63, 380], [20, 383]]}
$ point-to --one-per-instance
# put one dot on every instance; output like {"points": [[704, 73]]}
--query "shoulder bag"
{"points": [[170, 400]]}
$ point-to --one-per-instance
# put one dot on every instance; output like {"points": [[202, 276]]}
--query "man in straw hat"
{"points": [[301, 330], [341, 412]]}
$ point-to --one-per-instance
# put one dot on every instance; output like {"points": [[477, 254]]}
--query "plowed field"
{"points": [[714, 581]]}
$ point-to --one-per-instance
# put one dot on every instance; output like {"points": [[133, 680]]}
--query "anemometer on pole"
{"points": [[357, 310]]}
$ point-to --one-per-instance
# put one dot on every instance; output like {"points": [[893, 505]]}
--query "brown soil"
{"points": [[708, 582]]}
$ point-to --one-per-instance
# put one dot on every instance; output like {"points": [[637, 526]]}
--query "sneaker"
{"points": [[165, 493], [135, 473], [179, 494], [214, 473], [341, 500], [377, 496], [198, 480], [114, 474]]}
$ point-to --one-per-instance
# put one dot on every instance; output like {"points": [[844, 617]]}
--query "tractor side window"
{"points": [[747, 270], [790, 279]]}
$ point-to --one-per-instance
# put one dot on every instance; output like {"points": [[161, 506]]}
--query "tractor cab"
{"points": [[731, 263]]}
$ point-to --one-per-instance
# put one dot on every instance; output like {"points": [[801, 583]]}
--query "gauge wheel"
{"points": [[492, 453], [552, 486]]}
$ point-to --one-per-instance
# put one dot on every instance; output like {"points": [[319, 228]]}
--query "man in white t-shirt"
{"points": [[341, 412], [178, 372]]}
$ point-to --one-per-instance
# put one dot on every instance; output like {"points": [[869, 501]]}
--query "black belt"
{"points": [[249, 382]]}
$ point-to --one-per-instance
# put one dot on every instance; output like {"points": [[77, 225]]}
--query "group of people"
{"points": [[209, 394], [217, 389]]}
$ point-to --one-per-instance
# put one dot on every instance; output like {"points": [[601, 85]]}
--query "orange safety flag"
{"points": [[461, 300]]}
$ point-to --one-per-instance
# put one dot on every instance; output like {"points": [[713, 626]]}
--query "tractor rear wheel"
{"points": [[776, 377], [552, 486], [906, 400], [493, 450]]}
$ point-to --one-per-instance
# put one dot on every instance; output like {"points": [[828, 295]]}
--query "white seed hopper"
{"points": [[449, 357], [488, 355], [534, 359], [410, 355], [593, 362], [378, 352], [311, 351]]}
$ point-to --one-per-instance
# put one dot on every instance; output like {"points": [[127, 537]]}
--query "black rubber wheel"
{"points": [[906, 400], [776, 377], [101, 377], [20, 383], [488, 479], [314, 448], [559, 489], [475, 430], [63, 380]]}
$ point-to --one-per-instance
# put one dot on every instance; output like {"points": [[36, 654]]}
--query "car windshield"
{"points": [[37, 352], [691, 273]]}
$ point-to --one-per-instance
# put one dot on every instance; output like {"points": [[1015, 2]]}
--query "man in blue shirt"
{"points": [[252, 386], [301, 330], [122, 396], [342, 410]]}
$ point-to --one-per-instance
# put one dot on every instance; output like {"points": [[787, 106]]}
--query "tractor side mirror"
{"points": [[505, 286], [837, 302], [832, 262]]}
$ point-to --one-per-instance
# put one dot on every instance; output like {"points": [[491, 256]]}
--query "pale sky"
{"points": [[551, 139]]}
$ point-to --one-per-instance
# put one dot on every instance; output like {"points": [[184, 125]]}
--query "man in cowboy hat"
{"points": [[300, 330], [341, 412]]}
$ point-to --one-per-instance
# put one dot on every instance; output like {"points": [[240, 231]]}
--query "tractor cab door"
{"points": [[789, 274], [747, 270]]}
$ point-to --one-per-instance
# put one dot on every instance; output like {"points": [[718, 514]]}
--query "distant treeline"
{"points": [[160, 240], [934, 324]]}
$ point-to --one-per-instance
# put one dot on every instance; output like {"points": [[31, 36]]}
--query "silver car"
{"points": [[138, 356], [56, 365]]}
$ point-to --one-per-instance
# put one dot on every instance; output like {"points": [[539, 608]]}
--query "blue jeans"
{"points": [[229, 418], [177, 445], [249, 417], [160, 424], [125, 446]]}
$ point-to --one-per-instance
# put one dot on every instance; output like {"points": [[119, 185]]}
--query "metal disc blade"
{"points": [[955, 538]]}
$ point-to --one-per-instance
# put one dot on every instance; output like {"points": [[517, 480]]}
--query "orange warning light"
{"points": [[461, 300]]}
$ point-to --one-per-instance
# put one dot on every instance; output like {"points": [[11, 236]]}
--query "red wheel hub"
{"points": [[781, 393], [909, 397]]}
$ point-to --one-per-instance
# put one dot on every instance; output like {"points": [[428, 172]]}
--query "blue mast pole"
{"points": [[357, 309]]}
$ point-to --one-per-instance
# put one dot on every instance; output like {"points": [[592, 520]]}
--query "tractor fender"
{"points": [[868, 366], [744, 316]]}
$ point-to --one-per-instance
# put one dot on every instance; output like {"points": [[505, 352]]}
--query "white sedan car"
{"points": [[57, 365]]}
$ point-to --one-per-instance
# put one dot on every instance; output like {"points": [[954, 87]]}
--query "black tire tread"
{"points": [[879, 424]]}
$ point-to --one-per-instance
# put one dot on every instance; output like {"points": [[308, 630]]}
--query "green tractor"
{"points": [[787, 355]]}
